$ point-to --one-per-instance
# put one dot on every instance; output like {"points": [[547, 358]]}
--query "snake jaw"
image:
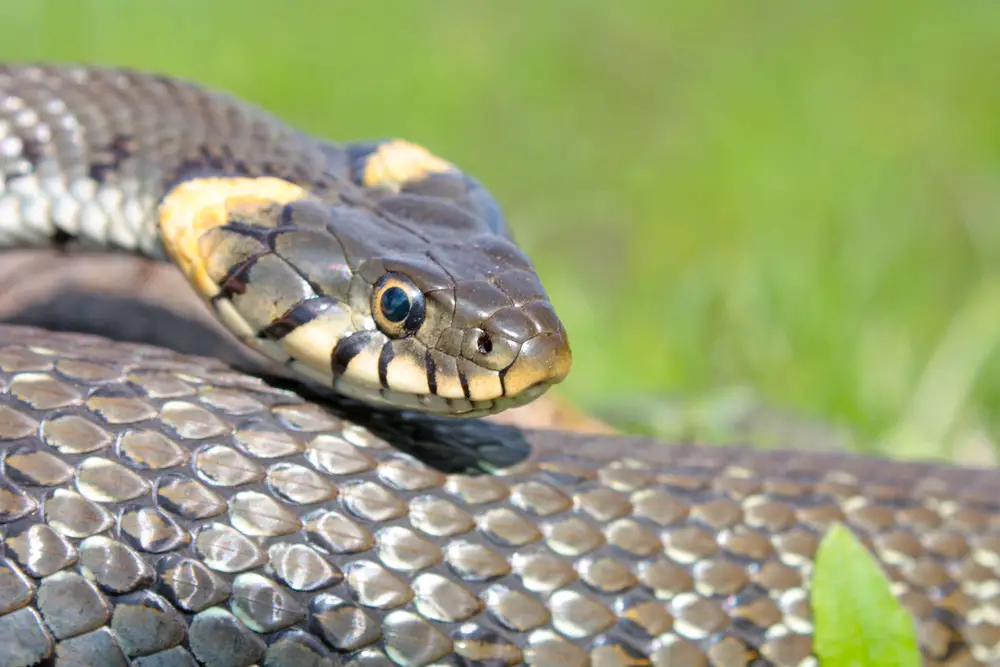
{"points": [[402, 372]]}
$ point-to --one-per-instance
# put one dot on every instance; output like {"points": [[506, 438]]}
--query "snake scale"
{"points": [[163, 510]]}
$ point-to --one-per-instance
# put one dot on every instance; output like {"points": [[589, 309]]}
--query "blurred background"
{"points": [[781, 215]]}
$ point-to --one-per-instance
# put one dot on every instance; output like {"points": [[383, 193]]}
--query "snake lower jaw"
{"points": [[545, 361], [432, 404], [439, 406]]}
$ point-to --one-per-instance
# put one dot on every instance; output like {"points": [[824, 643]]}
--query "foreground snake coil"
{"points": [[158, 510]]}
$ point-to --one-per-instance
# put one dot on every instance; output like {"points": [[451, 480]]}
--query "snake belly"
{"points": [[163, 510]]}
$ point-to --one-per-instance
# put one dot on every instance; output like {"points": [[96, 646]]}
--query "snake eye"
{"points": [[397, 306]]}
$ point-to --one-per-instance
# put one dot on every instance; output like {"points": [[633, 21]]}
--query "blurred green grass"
{"points": [[799, 198]]}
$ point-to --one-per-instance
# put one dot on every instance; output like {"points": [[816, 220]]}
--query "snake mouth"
{"points": [[462, 389], [544, 360]]}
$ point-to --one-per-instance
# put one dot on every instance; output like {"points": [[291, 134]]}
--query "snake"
{"points": [[160, 509]]}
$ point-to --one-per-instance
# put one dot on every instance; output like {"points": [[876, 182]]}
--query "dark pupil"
{"points": [[395, 304]]}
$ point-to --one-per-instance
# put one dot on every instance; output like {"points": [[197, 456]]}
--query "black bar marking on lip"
{"points": [[432, 380], [464, 381], [301, 313], [503, 378], [349, 347], [384, 358]]}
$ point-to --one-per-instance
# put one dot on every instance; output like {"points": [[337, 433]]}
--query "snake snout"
{"points": [[543, 361], [528, 348]]}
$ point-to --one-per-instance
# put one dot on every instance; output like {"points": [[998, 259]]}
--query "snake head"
{"points": [[413, 296], [450, 334]]}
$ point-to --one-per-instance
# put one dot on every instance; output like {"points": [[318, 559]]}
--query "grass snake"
{"points": [[160, 509]]}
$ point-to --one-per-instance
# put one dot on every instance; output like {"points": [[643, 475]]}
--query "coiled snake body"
{"points": [[165, 510]]}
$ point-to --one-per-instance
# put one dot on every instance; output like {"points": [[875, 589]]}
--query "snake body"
{"points": [[163, 510]]}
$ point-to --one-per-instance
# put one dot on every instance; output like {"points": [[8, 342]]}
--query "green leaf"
{"points": [[858, 621]]}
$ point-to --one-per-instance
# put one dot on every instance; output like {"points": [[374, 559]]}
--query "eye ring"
{"points": [[398, 307]]}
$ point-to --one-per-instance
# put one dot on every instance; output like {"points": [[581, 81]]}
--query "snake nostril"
{"points": [[484, 344]]}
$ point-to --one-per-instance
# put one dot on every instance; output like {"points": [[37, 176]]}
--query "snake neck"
{"points": [[87, 154]]}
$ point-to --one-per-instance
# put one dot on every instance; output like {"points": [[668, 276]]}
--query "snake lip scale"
{"points": [[164, 510]]}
